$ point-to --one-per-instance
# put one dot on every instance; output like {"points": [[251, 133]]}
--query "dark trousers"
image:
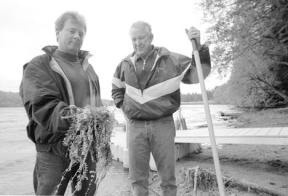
{"points": [[48, 173]]}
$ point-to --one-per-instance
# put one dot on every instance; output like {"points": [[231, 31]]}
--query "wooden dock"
{"points": [[259, 136], [262, 136]]}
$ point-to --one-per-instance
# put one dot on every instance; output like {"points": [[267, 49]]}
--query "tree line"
{"points": [[250, 42], [195, 97], [12, 99]]}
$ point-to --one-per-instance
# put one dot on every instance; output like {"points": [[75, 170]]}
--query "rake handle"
{"points": [[208, 117]]}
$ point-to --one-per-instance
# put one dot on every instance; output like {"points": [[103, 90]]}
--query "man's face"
{"points": [[141, 40], [71, 37]]}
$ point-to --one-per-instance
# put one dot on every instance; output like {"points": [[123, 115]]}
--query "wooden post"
{"points": [[209, 119]]}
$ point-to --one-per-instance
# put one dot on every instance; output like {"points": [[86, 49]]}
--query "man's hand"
{"points": [[193, 33]]}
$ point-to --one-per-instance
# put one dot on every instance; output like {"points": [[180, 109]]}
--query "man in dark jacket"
{"points": [[51, 82], [146, 86]]}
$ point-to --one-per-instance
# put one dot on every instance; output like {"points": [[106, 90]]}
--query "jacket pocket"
{"points": [[130, 108]]}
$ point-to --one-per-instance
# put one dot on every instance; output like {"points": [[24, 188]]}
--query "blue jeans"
{"points": [[157, 137], [48, 171]]}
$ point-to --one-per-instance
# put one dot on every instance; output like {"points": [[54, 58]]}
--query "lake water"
{"points": [[194, 114], [17, 152]]}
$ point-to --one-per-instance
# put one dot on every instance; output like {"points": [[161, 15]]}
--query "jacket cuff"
{"points": [[118, 103]]}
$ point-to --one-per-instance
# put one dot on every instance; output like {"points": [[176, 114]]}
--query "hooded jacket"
{"points": [[45, 92], [160, 96]]}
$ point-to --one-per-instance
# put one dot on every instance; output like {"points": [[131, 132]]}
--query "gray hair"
{"points": [[142, 24], [73, 15]]}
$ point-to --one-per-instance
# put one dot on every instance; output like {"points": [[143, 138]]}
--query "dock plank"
{"points": [[284, 132], [274, 131], [266, 136]]}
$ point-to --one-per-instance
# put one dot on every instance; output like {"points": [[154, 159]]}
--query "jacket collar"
{"points": [[51, 49], [161, 51]]}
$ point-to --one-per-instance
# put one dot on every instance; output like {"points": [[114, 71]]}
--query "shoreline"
{"points": [[276, 117]]}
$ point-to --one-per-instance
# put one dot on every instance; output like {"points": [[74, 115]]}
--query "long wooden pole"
{"points": [[209, 119]]}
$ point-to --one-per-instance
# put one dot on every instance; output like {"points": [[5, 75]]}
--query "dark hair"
{"points": [[59, 24]]}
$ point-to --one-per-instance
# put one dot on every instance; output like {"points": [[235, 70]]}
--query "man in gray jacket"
{"points": [[146, 86]]}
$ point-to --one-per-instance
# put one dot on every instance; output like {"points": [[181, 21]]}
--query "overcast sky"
{"points": [[27, 26]]}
